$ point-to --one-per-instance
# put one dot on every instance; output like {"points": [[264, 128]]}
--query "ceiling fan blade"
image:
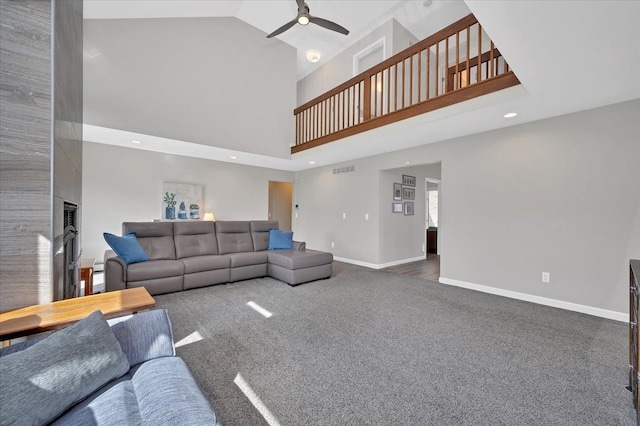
{"points": [[300, 5], [283, 28], [328, 25]]}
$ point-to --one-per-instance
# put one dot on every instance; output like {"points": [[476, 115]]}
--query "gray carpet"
{"points": [[373, 347]]}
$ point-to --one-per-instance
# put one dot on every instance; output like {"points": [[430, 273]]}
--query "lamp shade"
{"points": [[209, 216]]}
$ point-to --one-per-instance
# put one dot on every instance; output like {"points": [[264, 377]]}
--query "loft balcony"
{"points": [[458, 63]]}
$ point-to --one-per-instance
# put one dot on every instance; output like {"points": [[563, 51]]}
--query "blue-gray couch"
{"points": [[157, 389]]}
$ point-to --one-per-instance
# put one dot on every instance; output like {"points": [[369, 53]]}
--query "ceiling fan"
{"points": [[304, 18]]}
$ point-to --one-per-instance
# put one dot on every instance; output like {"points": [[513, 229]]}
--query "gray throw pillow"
{"points": [[42, 381]]}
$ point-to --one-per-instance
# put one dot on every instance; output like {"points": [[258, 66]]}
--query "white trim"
{"points": [[364, 52], [589, 310], [378, 266]]}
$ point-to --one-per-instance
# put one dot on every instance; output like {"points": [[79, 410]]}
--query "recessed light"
{"points": [[407, 162], [312, 162], [510, 115], [313, 56], [137, 142], [233, 157]]}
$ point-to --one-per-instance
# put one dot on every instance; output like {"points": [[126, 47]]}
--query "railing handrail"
{"points": [[398, 57]]}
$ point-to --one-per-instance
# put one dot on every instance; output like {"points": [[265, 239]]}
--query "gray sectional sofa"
{"points": [[185, 255]]}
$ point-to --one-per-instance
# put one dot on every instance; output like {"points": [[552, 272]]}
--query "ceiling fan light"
{"points": [[303, 19]]}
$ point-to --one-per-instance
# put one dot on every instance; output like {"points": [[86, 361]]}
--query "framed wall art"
{"points": [[397, 191], [396, 207], [181, 201], [408, 208], [408, 193], [408, 180]]}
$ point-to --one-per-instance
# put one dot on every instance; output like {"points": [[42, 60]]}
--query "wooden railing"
{"points": [[438, 71]]}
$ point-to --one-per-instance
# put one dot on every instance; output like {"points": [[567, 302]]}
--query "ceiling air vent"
{"points": [[346, 169]]}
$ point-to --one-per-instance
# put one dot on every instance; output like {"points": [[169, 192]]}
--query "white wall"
{"points": [[139, 76], [560, 195], [125, 184]]}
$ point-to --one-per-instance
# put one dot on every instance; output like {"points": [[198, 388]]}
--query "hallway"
{"points": [[428, 269]]}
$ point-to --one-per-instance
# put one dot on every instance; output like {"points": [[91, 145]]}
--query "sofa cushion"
{"points": [[168, 395], [195, 239], [113, 405], [48, 377], [144, 336], [280, 240], [260, 233], [205, 263], [156, 238], [158, 392], [295, 259], [247, 259], [154, 269], [233, 237], [126, 247]]}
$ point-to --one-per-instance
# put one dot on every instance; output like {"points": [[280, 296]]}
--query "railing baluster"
{"points": [[446, 76], [437, 65], [428, 73], [419, 76], [468, 53], [491, 60], [479, 73]]}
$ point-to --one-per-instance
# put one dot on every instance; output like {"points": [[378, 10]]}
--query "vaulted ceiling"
{"points": [[569, 56]]}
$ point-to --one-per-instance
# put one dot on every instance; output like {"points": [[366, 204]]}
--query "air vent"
{"points": [[346, 169]]}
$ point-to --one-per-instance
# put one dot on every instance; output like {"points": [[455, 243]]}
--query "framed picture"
{"points": [[397, 191], [181, 201], [396, 207], [408, 193], [408, 180], [408, 208]]}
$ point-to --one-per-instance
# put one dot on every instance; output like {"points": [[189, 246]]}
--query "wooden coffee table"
{"points": [[53, 316]]}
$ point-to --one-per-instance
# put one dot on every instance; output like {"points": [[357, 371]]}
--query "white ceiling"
{"points": [[569, 56]]}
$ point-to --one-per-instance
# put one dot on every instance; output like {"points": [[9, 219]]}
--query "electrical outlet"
{"points": [[366, 216], [333, 245], [546, 277], [423, 248], [296, 215], [344, 215]]}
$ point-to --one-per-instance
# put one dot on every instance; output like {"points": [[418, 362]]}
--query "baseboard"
{"points": [[589, 310], [376, 265]]}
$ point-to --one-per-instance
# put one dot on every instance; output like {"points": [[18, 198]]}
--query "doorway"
{"points": [[432, 191], [280, 203]]}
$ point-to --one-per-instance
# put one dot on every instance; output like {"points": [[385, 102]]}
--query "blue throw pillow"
{"points": [[126, 247], [280, 240]]}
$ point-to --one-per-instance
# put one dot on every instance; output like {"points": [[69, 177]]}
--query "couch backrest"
{"points": [[233, 236], [195, 238], [156, 238], [260, 233]]}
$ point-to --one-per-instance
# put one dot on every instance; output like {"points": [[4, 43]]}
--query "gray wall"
{"points": [[340, 68], [125, 184], [29, 158], [139, 76], [560, 195]]}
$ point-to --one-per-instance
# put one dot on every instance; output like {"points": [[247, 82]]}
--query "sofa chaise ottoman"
{"points": [[123, 371], [192, 254]]}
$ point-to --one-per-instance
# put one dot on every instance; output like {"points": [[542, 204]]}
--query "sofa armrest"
{"points": [[115, 273], [144, 336], [299, 245]]}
